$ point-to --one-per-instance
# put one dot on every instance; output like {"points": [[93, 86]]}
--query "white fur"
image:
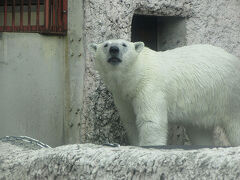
{"points": [[197, 86]]}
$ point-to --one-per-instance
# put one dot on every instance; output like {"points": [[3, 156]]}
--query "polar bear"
{"points": [[196, 86]]}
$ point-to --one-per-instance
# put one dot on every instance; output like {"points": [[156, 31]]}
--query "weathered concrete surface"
{"points": [[32, 86], [88, 161], [214, 22], [74, 72]]}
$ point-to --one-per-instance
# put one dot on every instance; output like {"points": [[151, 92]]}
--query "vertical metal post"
{"points": [[5, 14], [65, 11], [29, 14], [46, 15], [37, 14], [21, 16], [50, 15], [13, 15], [59, 9], [53, 16]]}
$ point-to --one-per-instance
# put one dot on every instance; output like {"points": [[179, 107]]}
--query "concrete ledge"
{"points": [[89, 161]]}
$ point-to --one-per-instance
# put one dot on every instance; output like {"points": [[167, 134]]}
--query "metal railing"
{"points": [[43, 16]]}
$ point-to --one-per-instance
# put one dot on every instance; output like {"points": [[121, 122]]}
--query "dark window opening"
{"points": [[159, 33], [43, 16]]}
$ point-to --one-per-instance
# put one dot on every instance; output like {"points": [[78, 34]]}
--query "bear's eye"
{"points": [[124, 45], [106, 45]]}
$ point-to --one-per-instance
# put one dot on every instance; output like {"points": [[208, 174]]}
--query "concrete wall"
{"points": [[41, 82], [74, 72], [214, 22], [32, 86]]}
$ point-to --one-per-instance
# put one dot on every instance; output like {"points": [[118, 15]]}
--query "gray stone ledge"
{"points": [[89, 161]]}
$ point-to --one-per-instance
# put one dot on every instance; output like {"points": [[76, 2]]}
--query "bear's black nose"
{"points": [[114, 50]]}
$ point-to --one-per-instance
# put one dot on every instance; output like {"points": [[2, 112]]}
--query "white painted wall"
{"points": [[32, 86]]}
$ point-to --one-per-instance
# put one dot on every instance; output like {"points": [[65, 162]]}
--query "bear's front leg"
{"points": [[151, 119]]}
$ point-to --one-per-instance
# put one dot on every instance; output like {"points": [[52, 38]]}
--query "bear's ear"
{"points": [[139, 46], [93, 47]]}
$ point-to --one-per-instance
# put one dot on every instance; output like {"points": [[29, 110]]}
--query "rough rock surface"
{"points": [[207, 21], [88, 161]]}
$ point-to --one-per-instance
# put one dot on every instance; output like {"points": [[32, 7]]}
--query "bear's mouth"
{"points": [[114, 60]]}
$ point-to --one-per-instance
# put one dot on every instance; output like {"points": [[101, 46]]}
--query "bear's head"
{"points": [[115, 53]]}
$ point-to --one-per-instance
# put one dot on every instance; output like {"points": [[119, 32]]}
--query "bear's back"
{"points": [[195, 79]]}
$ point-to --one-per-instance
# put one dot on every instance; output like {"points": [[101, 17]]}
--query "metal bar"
{"points": [[29, 14], [46, 15], [65, 12], [41, 29], [37, 14], [21, 15], [5, 13], [13, 15], [59, 9], [54, 15], [8, 28], [50, 13], [57, 14], [25, 29]]}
